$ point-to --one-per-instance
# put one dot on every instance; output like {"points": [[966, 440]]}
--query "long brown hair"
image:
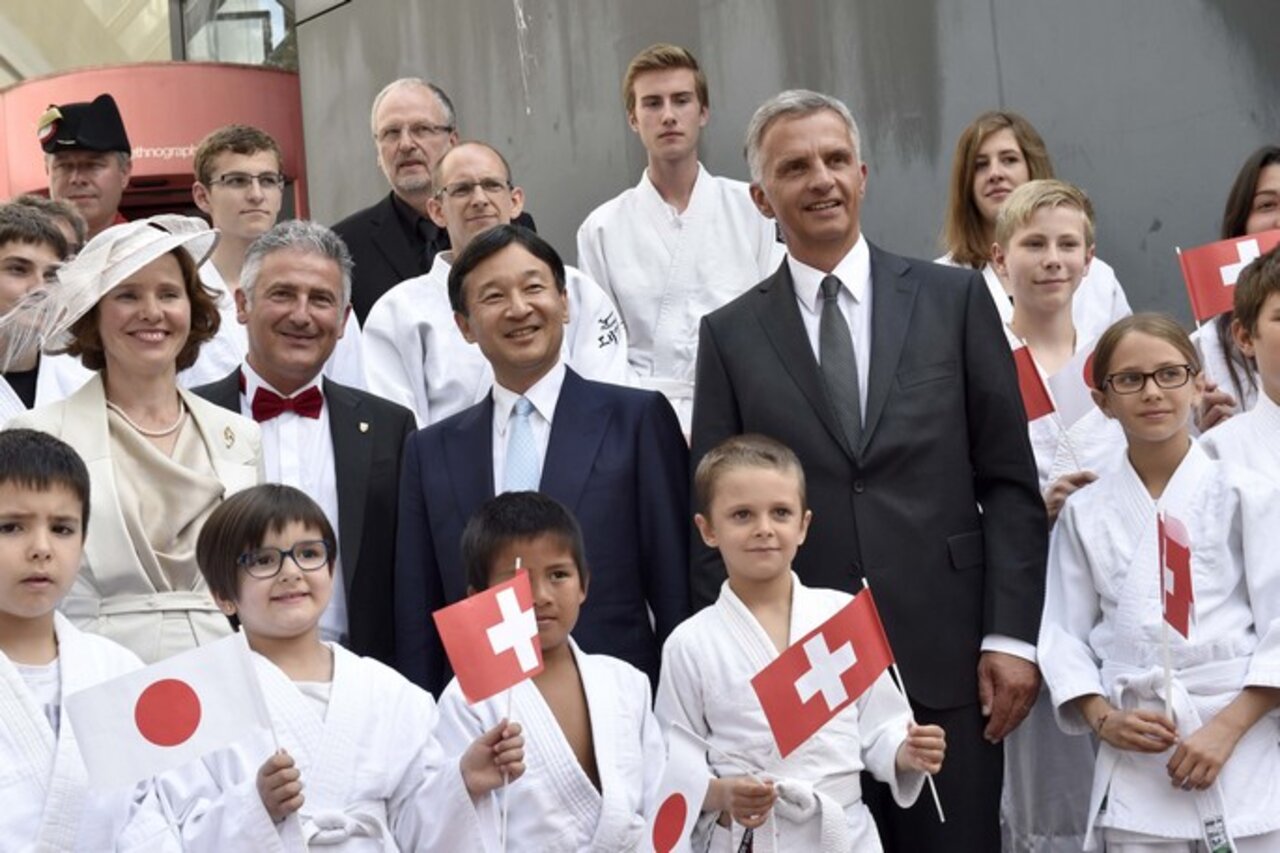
{"points": [[964, 233], [1241, 369]]}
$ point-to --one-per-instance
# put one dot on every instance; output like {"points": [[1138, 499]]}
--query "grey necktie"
{"points": [[839, 363]]}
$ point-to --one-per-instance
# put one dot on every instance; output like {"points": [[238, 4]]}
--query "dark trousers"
{"points": [[969, 787]]}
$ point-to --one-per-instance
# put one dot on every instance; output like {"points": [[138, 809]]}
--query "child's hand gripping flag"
{"points": [[168, 714], [492, 638], [1211, 270], [823, 672]]}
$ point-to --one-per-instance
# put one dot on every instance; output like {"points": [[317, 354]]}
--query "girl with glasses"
{"points": [[1184, 711]]}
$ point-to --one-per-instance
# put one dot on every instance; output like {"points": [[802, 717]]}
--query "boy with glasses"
{"points": [[240, 186]]}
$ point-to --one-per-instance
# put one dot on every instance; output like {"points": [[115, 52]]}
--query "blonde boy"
{"points": [[1253, 438], [751, 494]]}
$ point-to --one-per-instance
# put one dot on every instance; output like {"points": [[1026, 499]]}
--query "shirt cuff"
{"points": [[1009, 646]]}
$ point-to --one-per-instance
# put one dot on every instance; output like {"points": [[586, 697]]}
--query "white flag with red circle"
{"points": [[491, 638], [685, 780], [168, 714]]}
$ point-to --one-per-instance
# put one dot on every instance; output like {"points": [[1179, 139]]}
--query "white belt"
{"points": [[363, 819]]}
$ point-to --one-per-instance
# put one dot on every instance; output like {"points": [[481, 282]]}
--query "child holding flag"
{"points": [[45, 802], [1189, 741], [1252, 439], [751, 494], [594, 752], [358, 759], [1044, 243]]}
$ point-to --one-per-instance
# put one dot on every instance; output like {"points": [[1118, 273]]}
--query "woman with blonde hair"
{"points": [[997, 153], [131, 307]]}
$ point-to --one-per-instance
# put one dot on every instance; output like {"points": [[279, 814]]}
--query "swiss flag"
{"points": [[1035, 397], [168, 714], [823, 672], [492, 638], [685, 779], [1211, 270], [1176, 593]]}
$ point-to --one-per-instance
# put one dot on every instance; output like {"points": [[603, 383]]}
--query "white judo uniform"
{"points": [[707, 666], [554, 807], [1098, 302], [1102, 634], [373, 773], [415, 355], [57, 378], [46, 803], [665, 270], [226, 351], [1044, 803], [1249, 440]]}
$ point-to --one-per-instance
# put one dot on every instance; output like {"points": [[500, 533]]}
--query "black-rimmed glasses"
{"points": [[266, 562], [1133, 381]]}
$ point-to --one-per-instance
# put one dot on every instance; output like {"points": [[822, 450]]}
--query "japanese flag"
{"points": [[1035, 397], [168, 714], [823, 672], [1211, 270], [1176, 593], [1071, 387], [492, 638], [685, 780]]}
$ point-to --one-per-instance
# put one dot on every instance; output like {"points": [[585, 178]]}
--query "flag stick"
{"points": [[506, 794], [1168, 667], [902, 688]]}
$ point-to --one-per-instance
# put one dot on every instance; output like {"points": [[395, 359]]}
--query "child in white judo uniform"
{"points": [[1205, 770], [45, 801], [1252, 439], [594, 750], [1044, 246], [752, 498], [359, 763]]}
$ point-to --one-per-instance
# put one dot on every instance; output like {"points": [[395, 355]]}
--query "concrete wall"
{"points": [[1150, 105]]}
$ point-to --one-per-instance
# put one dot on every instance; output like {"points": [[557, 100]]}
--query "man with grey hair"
{"points": [[338, 444], [413, 124], [891, 380]]}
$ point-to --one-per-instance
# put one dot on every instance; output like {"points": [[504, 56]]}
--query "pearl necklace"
{"points": [[152, 433]]}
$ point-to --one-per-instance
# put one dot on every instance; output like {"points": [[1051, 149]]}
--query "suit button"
{"points": [[858, 487], [855, 569]]}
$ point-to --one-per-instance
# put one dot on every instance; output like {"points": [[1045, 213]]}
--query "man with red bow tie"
{"points": [[338, 444]]}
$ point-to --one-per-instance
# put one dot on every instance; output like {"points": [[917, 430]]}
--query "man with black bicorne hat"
{"points": [[88, 158]]}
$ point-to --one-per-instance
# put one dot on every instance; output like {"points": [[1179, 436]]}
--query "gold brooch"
{"points": [[229, 437]]}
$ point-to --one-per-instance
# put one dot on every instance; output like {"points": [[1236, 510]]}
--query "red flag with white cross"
{"points": [[1176, 592], [492, 638], [823, 673], [1211, 270]]}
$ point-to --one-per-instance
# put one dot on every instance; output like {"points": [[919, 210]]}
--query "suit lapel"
{"points": [[390, 239], [779, 314], [468, 453], [579, 424], [225, 392], [892, 300], [352, 457]]}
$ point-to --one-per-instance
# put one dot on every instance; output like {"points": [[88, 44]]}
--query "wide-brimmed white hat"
{"points": [[44, 317]]}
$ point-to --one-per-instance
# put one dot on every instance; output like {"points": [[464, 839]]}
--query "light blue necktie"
{"points": [[524, 469]]}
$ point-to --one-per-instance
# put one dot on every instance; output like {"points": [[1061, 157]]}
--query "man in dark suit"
{"points": [[340, 445], [414, 124], [613, 455], [892, 381]]}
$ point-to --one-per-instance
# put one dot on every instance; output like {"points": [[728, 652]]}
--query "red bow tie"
{"points": [[268, 404]]}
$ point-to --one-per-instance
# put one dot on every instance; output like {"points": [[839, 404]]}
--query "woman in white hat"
{"points": [[131, 307]]}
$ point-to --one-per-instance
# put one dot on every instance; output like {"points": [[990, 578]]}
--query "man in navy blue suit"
{"points": [[615, 456]]}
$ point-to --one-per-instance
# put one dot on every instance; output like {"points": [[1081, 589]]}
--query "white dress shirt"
{"points": [[298, 452], [543, 394], [854, 272]]}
